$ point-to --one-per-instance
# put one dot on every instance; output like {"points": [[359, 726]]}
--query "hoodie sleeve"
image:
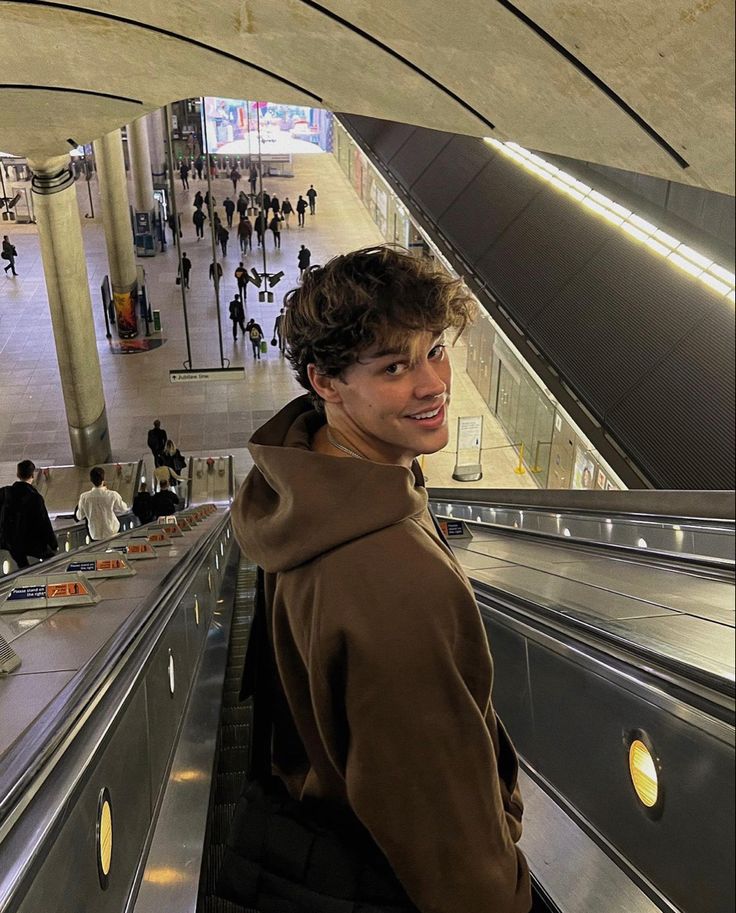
{"points": [[426, 769]]}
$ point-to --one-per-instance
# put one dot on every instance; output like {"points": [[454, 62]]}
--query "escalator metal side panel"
{"points": [[572, 714]]}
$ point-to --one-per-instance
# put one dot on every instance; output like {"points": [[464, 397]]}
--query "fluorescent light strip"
{"points": [[716, 277]]}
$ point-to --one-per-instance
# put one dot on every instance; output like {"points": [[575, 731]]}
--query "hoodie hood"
{"points": [[296, 504]]}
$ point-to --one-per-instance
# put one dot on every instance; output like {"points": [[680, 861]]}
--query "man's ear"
{"points": [[324, 386]]}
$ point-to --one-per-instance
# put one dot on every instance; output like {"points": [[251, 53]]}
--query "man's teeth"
{"points": [[426, 414]]}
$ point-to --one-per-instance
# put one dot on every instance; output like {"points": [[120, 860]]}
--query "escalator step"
{"points": [[236, 736], [228, 787], [234, 760]]}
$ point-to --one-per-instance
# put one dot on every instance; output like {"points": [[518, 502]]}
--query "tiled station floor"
{"points": [[202, 417]]}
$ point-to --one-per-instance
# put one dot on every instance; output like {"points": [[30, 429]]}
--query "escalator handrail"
{"points": [[35, 747], [712, 506], [641, 661], [721, 568]]}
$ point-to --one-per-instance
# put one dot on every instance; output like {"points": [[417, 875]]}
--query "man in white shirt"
{"points": [[99, 505]]}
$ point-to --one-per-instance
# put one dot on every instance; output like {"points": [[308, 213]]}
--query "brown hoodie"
{"points": [[385, 668]]}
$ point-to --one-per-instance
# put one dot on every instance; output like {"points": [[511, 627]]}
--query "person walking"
{"points": [[275, 205], [275, 226], [260, 226], [245, 234], [229, 208], [184, 175], [25, 527], [172, 457], [304, 258], [266, 202], [223, 236], [207, 198], [213, 168], [185, 270], [9, 253], [301, 208], [235, 177], [237, 315], [198, 202], [242, 205], [255, 334], [312, 197], [216, 270], [370, 709], [278, 331], [142, 504], [199, 165], [241, 277], [286, 211], [198, 218], [99, 505], [253, 178], [156, 441]]}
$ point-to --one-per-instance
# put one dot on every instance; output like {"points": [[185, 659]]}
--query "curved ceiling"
{"points": [[647, 87]]}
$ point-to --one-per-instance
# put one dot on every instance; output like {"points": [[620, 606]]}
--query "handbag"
{"points": [[178, 280], [304, 856]]}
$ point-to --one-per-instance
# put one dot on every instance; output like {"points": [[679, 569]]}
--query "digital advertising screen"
{"points": [[234, 127]]}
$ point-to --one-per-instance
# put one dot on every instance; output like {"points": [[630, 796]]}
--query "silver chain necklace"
{"points": [[342, 447]]}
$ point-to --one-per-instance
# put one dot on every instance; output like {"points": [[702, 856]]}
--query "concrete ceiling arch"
{"points": [[647, 87]]}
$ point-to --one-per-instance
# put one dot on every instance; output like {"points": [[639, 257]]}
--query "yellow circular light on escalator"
{"points": [[643, 772]]}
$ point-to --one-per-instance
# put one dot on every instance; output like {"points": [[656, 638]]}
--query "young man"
{"points": [[25, 527], [382, 703], [278, 331], [9, 253], [156, 441], [304, 258], [165, 501], [99, 505]]}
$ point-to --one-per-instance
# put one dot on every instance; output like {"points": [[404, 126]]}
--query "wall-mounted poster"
{"points": [[600, 479], [584, 469]]}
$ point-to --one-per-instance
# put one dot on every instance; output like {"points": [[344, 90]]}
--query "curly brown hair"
{"points": [[375, 296]]}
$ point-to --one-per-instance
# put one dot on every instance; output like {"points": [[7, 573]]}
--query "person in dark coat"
{"points": [[242, 205], [241, 277], [165, 501], [304, 258], [199, 218], [9, 253], [245, 234], [25, 527], [142, 506], [214, 265], [275, 205], [260, 227], [199, 165], [312, 197], [235, 177], [229, 208], [208, 199], [301, 208], [237, 315], [184, 175], [275, 226], [286, 211], [186, 268], [198, 199], [157, 438], [266, 202], [253, 178], [223, 236]]}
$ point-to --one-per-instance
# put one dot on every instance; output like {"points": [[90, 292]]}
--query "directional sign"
{"points": [[52, 591], [100, 565]]}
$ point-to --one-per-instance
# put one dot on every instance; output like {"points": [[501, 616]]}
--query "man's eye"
{"points": [[437, 352], [395, 368]]}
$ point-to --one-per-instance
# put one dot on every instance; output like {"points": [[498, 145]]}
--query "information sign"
{"points": [[104, 565], [455, 529], [135, 550], [227, 374], [52, 591], [468, 466]]}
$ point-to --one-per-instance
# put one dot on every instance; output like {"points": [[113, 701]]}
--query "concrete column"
{"points": [[65, 269], [118, 233], [156, 142], [140, 164]]}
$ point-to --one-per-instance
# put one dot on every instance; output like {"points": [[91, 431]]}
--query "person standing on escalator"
{"points": [[99, 505], [379, 686]]}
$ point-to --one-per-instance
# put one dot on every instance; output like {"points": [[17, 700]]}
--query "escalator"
{"points": [[151, 720]]}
